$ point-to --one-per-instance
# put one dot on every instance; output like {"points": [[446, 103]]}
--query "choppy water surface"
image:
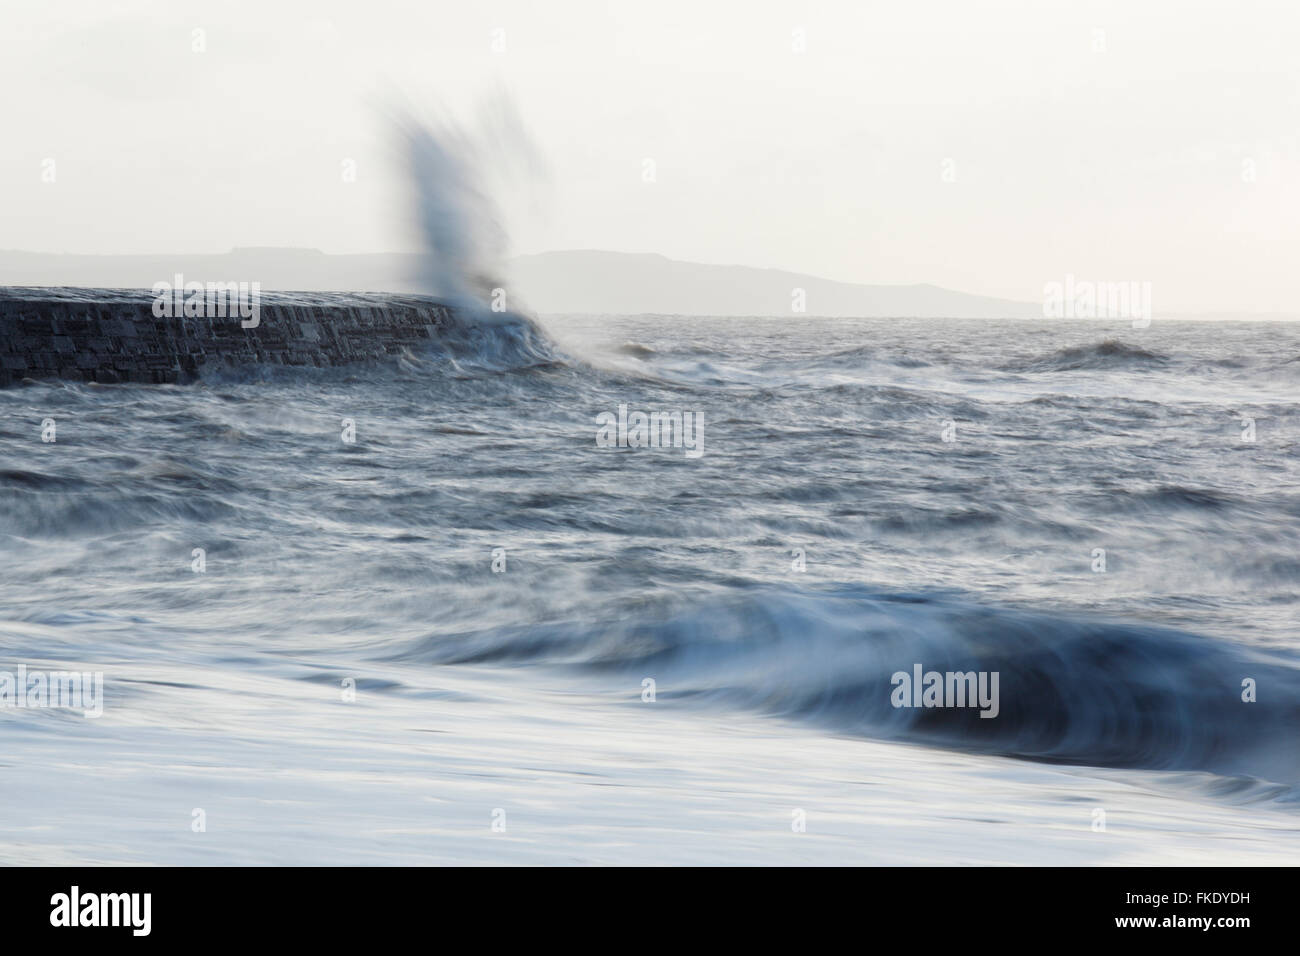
{"points": [[826, 447]]}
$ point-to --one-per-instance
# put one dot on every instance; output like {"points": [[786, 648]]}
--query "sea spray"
{"points": [[458, 173]]}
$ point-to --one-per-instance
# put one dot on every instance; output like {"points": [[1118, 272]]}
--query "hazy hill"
{"points": [[572, 281], [617, 282]]}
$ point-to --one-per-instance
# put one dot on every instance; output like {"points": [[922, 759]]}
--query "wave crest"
{"points": [[1072, 690], [1109, 354]]}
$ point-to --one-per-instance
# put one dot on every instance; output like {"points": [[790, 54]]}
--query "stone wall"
{"points": [[101, 335]]}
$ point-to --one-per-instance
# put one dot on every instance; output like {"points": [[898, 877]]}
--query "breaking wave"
{"points": [[1071, 690]]}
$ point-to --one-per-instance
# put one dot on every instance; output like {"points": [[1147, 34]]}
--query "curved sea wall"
{"points": [[115, 335]]}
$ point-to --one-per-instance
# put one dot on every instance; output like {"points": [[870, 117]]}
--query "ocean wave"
{"points": [[636, 350], [1108, 354], [1072, 690], [901, 358]]}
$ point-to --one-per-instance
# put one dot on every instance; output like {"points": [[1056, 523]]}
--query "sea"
{"points": [[647, 590]]}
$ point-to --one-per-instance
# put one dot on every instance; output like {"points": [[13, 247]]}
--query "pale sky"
{"points": [[1155, 140]]}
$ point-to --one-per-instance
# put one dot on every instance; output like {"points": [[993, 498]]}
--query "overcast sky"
{"points": [[988, 147]]}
